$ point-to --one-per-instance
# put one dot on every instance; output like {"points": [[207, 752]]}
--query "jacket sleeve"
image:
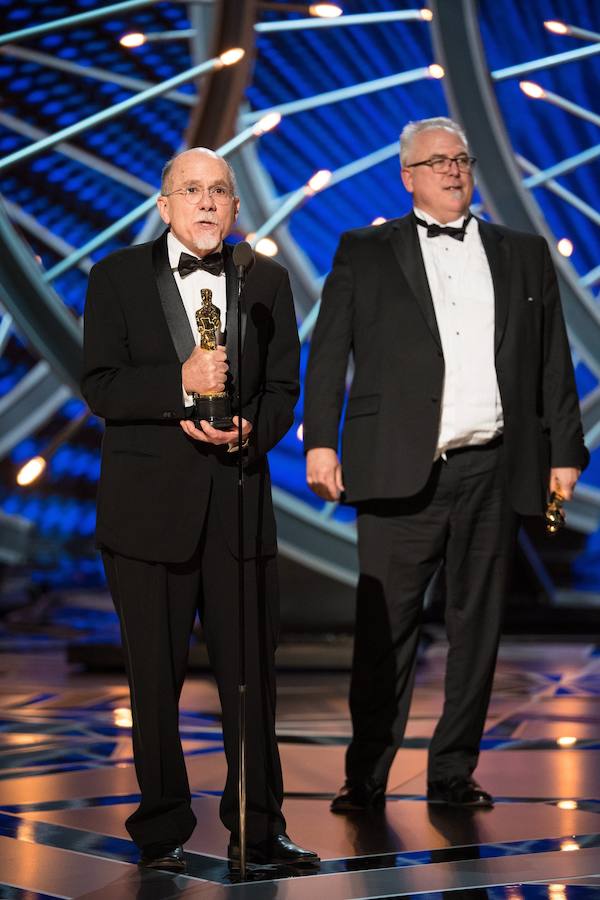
{"points": [[271, 410], [331, 343], [561, 404], [115, 387]]}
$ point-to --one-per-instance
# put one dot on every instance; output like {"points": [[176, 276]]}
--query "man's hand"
{"points": [[563, 481], [209, 435], [324, 473], [205, 371]]}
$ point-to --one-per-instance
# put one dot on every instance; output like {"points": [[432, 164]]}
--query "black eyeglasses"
{"points": [[441, 165]]}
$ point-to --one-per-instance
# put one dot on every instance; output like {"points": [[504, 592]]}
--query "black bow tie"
{"points": [[434, 230], [212, 263]]}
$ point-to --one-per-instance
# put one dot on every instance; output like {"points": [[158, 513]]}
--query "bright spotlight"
{"points": [[565, 248], [300, 432], [567, 804], [532, 89], [31, 471], [325, 10], [379, 220], [436, 71], [267, 123], [427, 15], [318, 181], [122, 717], [556, 27], [566, 846], [267, 247], [230, 57], [133, 39], [566, 741]]}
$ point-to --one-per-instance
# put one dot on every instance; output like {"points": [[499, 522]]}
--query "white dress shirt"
{"points": [[463, 298], [190, 287]]}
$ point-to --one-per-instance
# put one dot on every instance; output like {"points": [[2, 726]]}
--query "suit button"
{"points": [[435, 399], [439, 353], [166, 415]]}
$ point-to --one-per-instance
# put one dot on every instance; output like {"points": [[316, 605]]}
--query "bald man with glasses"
{"points": [[462, 415], [167, 502]]}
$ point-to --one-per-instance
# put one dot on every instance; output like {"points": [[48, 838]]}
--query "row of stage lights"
{"points": [[137, 38], [327, 12]]}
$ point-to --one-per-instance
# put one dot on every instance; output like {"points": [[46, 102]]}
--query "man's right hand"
{"points": [[324, 473], [205, 371]]}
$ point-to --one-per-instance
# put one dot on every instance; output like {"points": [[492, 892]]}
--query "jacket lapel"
{"points": [[170, 298], [497, 252], [232, 322], [407, 250]]}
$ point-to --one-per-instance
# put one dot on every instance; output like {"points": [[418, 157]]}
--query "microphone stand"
{"points": [[241, 273]]}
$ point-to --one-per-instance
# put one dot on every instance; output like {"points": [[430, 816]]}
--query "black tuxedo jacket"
{"points": [[155, 482], [377, 305]]}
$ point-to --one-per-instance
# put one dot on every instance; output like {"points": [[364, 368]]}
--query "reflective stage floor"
{"points": [[67, 784]]}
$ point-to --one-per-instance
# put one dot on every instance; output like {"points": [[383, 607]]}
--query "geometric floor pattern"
{"points": [[67, 784]]}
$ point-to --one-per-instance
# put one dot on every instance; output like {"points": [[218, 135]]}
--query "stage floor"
{"points": [[67, 784]]}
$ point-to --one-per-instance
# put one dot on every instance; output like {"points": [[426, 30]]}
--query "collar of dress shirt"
{"points": [[456, 223], [176, 248]]}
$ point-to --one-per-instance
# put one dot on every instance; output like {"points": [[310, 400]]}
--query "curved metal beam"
{"points": [[213, 120], [29, 405], [37, 311], [472, 101]]}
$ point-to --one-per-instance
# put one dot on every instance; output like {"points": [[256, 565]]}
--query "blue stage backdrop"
{"points": [[63, 197]]}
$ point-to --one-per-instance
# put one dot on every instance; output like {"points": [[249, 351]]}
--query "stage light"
{"points": [[325, 10], [300, 432], [122, 717], [565, 247], [569, 845], [318, 181], [133, 39], [267, 123], [230, 57], [567, 804], [532, 89], [36, 466], [378, 221], [426, 15], [267, 247], [31, 471], [556, 27], [556, 891], [436, 71], [566, 741], [513, 892]]}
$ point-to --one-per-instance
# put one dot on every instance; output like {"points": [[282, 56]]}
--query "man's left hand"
{"points": [[563, 480], [209, 435]]}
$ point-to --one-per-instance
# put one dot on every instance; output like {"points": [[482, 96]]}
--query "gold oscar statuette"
{"points": [[555, 514], [212, 407]]}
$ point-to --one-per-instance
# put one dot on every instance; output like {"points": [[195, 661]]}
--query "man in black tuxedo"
{"points": [[167, 501], [462, 415]]}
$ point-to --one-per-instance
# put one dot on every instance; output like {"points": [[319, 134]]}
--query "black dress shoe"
{"points": [[358, 797], [459, 791], [278, 850], [163, 856]]}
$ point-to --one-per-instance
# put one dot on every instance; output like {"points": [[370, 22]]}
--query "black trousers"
{"points": [[462, 518], [157, 605]]}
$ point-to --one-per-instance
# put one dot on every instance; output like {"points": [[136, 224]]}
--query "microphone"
{"points": [[243, 258]]}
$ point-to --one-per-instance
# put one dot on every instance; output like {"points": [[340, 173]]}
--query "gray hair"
{"points": [[412, 129], [165, 175]]}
